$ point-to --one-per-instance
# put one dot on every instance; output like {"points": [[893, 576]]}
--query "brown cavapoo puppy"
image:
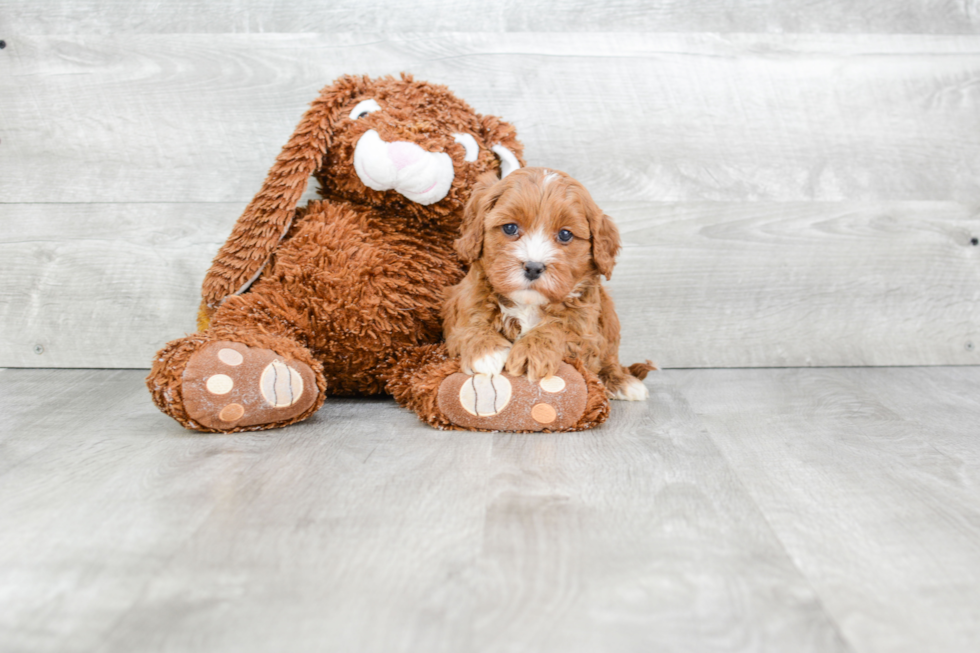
{"points": [[533, 297]]}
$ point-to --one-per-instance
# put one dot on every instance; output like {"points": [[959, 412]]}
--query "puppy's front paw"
{"points": [[492, 363], [534, 362]]}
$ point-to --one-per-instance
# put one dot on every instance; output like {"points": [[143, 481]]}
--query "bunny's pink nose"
{"points": [[404, 154]]}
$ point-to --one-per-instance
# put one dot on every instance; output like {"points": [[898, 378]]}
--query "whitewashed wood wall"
{"points": [[797, 183]]}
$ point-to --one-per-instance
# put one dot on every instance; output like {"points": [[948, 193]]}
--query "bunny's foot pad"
{"points": [[227, 385], [501, 402]]}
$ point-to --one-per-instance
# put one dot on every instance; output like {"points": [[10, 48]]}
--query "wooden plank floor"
{"points": [[737, 510]]}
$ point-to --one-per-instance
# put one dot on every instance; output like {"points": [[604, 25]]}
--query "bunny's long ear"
{"points": [[269, 215]]}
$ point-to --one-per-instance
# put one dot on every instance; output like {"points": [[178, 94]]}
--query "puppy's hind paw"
{"points": [[631, 390]]}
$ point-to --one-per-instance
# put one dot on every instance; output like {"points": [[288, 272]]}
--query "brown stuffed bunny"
{"points": [[342, 296]]}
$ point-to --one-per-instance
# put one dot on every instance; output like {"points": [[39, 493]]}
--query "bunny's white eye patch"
{"points": [[469, 144], [363, 108]]}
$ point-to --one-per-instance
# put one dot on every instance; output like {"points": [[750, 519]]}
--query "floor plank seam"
{"points": [[782, 545]]}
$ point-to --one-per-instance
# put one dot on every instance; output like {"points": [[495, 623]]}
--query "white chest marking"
{"points": [[527, 315]]}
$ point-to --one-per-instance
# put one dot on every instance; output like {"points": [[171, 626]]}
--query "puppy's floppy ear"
{"points": [[268, 216], [486, 192], [605, 240], [501, 138]]}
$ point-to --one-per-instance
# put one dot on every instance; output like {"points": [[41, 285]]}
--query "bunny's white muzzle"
{"points": [[421, 176]]}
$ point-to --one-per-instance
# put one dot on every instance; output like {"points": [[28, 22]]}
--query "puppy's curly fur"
{"points": [[537, 244]]}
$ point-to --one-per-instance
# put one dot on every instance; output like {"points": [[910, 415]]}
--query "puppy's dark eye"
{"points": [[510, 229], [565, 236], [363, 113]]}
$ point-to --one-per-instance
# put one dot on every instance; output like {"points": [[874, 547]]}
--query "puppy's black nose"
{"points": [[533, 270]]}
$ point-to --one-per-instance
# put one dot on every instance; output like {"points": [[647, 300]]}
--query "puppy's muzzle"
{"points": [[533, 270]]}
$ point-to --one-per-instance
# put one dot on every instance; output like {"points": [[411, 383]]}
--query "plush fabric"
{"points": [[347, 290]]}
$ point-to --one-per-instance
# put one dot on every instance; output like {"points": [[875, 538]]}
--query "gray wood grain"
{"points": [[843, 171], [879, 506], [114, 16], [103, 285], [641, 521], [798, 284], [940, 400], [698, 284], [678, 117], [364, 530]]}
